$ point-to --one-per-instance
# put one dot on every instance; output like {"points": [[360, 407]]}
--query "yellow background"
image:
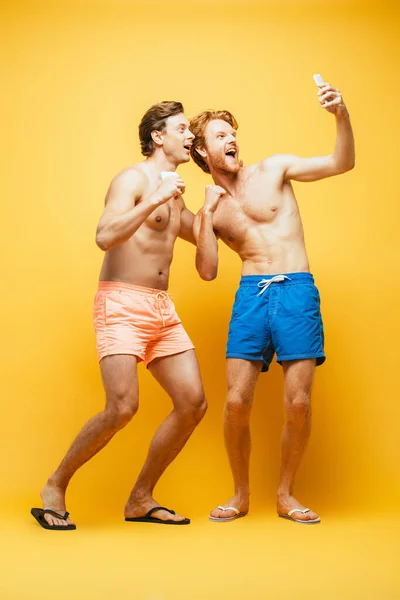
{"points": [[76, 79]]}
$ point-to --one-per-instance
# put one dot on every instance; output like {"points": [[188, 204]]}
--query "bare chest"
{"points": [[237, 215], [166, 218]]}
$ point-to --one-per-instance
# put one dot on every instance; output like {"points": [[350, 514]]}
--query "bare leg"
{"points": [[119, 375], [242, 378], [299, 376], [179, 375]]}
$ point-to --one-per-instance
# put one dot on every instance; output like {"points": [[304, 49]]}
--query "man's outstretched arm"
{"points": [[343, 157]]}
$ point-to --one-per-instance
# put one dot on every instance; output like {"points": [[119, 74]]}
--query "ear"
{"points": [[202, 152], [157, 137]]}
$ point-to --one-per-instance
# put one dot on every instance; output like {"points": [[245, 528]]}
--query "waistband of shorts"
{"points": [[293, 279], [128, 287]]}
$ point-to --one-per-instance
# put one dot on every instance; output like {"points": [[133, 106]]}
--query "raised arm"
{"points": [[207, 244], [123, 213], [343, 157]]}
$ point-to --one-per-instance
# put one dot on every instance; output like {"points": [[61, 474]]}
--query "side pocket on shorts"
{"points": [[240, 297], [315, 293], [99, 310]]}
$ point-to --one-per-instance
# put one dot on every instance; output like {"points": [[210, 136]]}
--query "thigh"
{"points": [[120, 380], [170, 341], [179, 375], [242, 377], [297, 328], [299, 375], [249, 333], [123, 323]]}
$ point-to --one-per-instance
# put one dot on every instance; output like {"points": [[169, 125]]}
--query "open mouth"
{"points": [[187, 147], [231, 153]]}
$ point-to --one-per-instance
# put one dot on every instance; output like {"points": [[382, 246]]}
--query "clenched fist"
{"points": [[214, 194], [171, 187]]}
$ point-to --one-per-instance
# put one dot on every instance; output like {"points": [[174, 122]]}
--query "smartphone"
{"points": [[318, 79]]}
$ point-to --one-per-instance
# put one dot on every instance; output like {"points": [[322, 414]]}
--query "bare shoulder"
{"points": [[275, 163], [132, 176], [127, 187], [132, 182]]}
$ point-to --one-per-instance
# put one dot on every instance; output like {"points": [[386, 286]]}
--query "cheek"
{"points": [[215, 152]]}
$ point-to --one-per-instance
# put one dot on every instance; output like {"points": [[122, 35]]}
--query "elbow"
{"points": [[208, 276], [345, 167], [102, 240]]}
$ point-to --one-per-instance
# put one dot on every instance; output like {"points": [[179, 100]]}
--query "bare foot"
{"points": [[241, 503], [138, 507], [53, 498], [286, 503]]}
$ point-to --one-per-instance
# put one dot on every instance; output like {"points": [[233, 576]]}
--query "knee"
{"points": [[298, 408], [120, 409], [193, 410], [238, 407], [200, 407]]}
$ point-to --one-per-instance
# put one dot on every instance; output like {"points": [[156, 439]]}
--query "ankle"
{"points": [[242, 493], [55, 482], [138, 496], [285, 490]]}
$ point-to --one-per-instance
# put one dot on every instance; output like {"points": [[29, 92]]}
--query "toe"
{"points": [[312, 516], [49, 518], [164, 515], [218, 513]]}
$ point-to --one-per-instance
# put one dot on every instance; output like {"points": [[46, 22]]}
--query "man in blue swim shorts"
{"points": [[277, 306]]}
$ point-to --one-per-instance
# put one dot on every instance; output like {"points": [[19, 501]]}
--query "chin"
{"points": [[232, 168]]}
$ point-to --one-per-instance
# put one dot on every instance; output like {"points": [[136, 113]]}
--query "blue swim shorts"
{"points": [[276, 313]]}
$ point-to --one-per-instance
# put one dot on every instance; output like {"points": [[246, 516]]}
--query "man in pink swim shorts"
{"points": [[135, 319]]}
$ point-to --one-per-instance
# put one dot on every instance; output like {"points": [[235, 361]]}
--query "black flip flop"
{"points": [[147, 518], [38, 514]]}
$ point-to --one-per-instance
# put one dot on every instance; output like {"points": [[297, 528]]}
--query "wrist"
{"points": [[342, 112], [208, 211], [155, 200]]}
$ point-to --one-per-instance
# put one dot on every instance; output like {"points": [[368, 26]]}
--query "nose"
{"points": [[231, 138], [191, 135]]}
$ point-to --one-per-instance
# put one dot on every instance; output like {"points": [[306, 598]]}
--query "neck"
{"points": [[228, 181], [160, 162]]}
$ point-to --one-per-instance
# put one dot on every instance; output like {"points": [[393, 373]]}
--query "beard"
{"points": [[224, 163]]}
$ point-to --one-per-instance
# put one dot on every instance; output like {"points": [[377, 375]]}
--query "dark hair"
{"points": [[198, 126], [155, 120]]}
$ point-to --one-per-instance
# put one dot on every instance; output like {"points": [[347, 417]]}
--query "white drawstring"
{"points": [[160, 297], [265, 283]]}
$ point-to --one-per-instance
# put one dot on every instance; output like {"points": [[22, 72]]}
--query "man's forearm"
{"points": [[207, 248], [119, 228], [344, 153]]}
